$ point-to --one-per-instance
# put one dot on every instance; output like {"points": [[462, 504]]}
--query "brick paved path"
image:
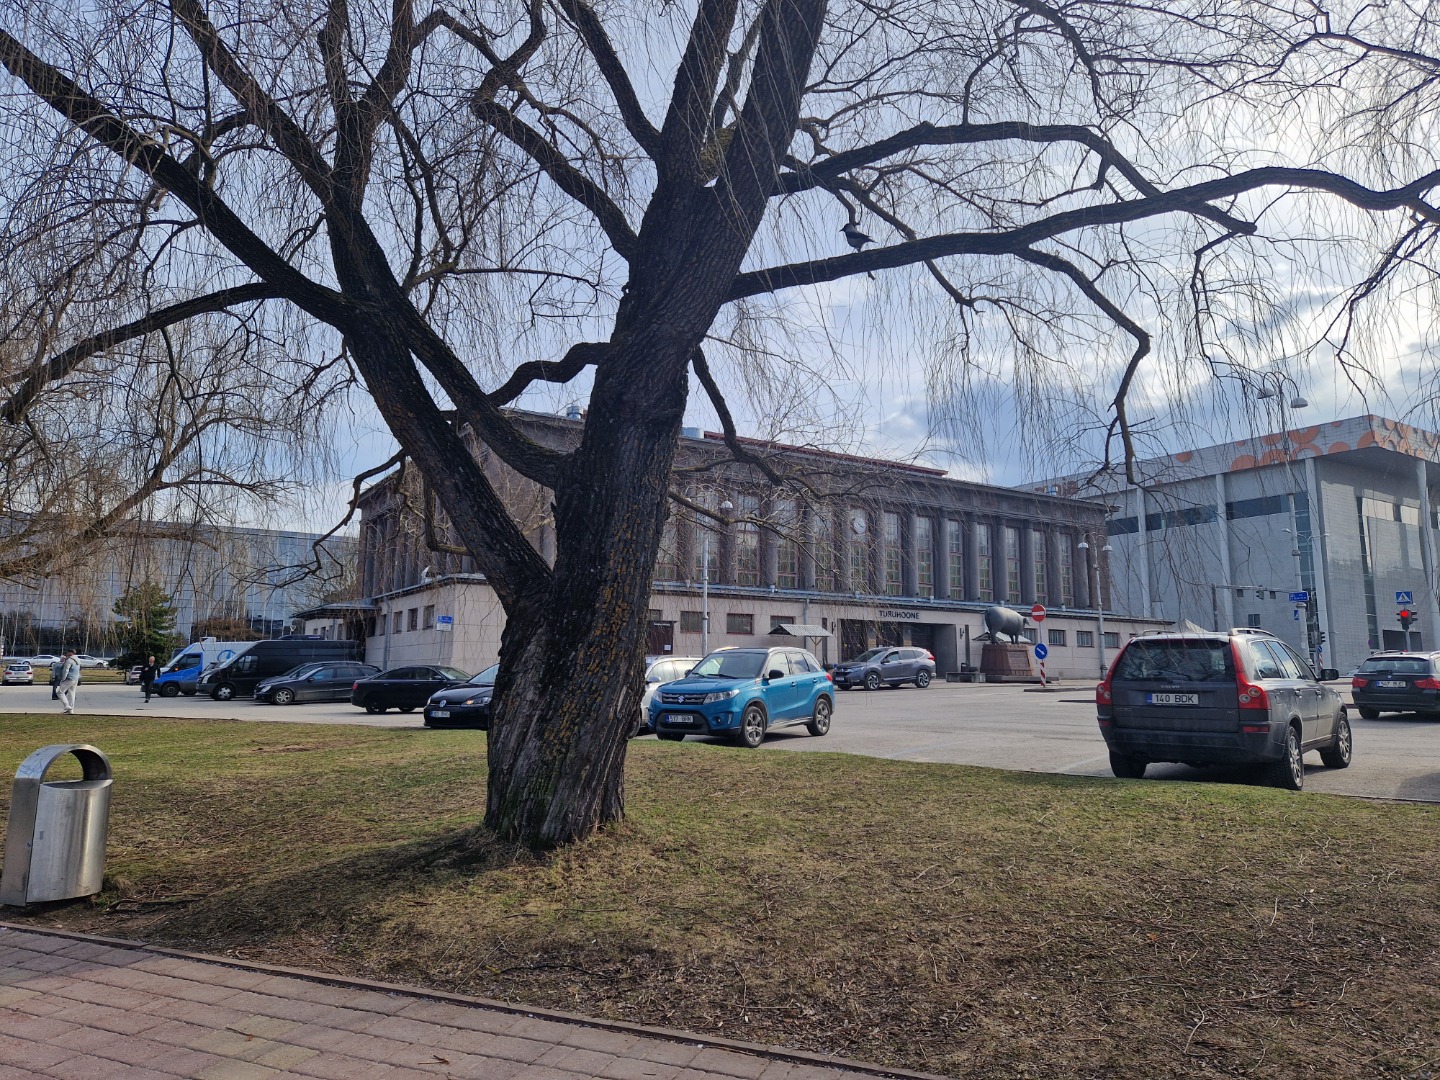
{"points": [[77, 1008]]}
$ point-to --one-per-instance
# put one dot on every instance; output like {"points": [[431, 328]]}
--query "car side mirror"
{"points": [[1329, 673], [653, 679], [774, 673], [688, 672]]}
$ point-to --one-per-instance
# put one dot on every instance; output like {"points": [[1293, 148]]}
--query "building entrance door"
{"points": [[660, 639]]}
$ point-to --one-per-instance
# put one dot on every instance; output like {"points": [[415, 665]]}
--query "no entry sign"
{"points": [[1038, 613]]}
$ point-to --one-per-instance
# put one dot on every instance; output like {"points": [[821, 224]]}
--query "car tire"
{"points": [[1337, 755], [820, 721], [752, 727], [1369, 714], [1289, 771], [670, 736], [1127, 766], [922, 680], [223, 692], [283, 696], [872, 680], [169, 690], [374, 707]]}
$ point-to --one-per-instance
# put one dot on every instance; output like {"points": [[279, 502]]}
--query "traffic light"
{"points": [[1406, 617], [1320, 637]]}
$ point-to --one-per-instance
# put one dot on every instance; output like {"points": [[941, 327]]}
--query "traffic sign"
{"points": [[1301, 597], [1041, 651], [445, 623], [1038, 613], [1405, 597]]}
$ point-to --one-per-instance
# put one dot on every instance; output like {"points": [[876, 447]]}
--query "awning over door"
{"points": [[801, 630]]}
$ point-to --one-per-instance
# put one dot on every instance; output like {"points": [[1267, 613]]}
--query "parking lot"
{"points": [[998, 726]]}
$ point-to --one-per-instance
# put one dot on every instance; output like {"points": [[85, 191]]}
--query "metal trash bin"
{"points": [[55, 840]]}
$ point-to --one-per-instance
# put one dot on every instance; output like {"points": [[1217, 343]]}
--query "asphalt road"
{"points": [[998, 726]]}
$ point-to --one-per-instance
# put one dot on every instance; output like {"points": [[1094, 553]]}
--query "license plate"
{"points": [[440, 714], [678, 718], [1172, 699], [1391, 684]]}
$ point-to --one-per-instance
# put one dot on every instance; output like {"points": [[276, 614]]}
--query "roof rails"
{"points": [[1250, 630]]}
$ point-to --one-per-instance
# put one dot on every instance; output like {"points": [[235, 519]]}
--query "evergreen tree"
{"points": [[149, 627]]}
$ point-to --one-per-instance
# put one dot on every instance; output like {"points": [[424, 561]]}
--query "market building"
{"points": [[845, 554], [1318, 534]]}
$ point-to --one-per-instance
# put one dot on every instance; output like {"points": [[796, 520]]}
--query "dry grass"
{"points": [[958, 920]]}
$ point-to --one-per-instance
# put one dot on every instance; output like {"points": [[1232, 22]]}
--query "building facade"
{"points": [[1342, 512], [852, 552]]}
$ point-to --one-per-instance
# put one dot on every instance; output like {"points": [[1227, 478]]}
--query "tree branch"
{"points": [[727, 422], [580, 356], [587, 24]]}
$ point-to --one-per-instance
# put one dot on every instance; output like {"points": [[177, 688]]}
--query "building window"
{"points": [[1012, 564], [1056, 637], [667, 562], [822, 536], [692, 622], [1112, 641], [894, 583], [1084, 639], [705, 554], [955, 556], [859, 553], [747, 542], [777, 621], [1253, 620], [787, 549], [924, 556], [377, 626], [1042, 557], [413, 618], [397, 622], [1067, 571], [986, 563], [739, 624], [429, 616]]}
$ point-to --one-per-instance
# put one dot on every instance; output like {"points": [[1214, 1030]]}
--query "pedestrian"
{"points": [[55, 666], [69, 680], [147, 677]]}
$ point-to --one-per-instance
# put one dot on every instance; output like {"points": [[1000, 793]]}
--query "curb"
{"points": [[774, 1053]]}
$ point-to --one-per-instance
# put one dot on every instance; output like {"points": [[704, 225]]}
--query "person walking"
{"points": [[69, 680], [55, 666], [147, 677]]}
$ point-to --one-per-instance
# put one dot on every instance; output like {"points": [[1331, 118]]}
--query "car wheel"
{"points": [[752, 726], [1337, 754], [1126, 766], [1289, 771], [922, 680], [670, 736], [169, 690], [223, 692], [820, 722], [872, 680], [283, 696], [1369, 714], [374, 707]]}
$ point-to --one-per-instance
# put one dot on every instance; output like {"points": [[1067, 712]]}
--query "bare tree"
{"points": [[427, 190]]}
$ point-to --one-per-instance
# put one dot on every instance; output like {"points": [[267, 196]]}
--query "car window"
{"points": [[796, 662], [1264, 663], [404, 673], [1398, 665], [485, 677], [1177, 661], [1296, 661], [452, 674], [809, 662], [732, 664], [869, 654], [323, 673]]}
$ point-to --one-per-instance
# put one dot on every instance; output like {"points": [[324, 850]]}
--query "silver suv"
{"points": [[888, 666], [1234, 697]]}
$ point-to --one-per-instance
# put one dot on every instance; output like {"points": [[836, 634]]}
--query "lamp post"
{"points": [[725, 507], [1099, 601]]}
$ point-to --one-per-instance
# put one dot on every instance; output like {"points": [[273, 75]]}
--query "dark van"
{"points": [[266, 659]]}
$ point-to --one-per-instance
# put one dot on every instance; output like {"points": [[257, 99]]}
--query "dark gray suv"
{"points": [[1236, 697], [889, 666]]}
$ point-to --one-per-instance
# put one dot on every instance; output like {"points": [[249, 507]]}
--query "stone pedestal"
{"points": [[1007, 662]]}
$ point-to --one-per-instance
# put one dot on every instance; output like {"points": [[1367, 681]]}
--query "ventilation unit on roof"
{"points": [[572, 412], [692, 433]]}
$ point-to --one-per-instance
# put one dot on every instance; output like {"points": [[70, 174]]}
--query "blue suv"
{"points": [[742, 693]]}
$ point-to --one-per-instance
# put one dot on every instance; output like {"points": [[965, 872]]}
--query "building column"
{"points": [[1226, 589], [910, 554], [971, 525], [1320, 549], [1144, 534], [1430, 632], [1026, 530], [1053, 539], [941, 537], [809, 537]]}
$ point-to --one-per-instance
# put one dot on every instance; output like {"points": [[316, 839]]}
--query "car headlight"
{"points": [[719, 695], [481, 699]]}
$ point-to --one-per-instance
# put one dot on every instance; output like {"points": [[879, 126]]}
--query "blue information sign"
{"points": [[1300, 597], [1041, 651], [1405, 597]]}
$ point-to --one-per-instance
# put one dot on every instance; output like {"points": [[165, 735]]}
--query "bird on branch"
{"points": [[857, 240]]}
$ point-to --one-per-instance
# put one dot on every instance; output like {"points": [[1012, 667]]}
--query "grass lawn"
{"points": [[952, 919]]}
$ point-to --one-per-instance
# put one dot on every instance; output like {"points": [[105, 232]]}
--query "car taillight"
{"points": [[830, 675], [1102, 692], [1251, 696], [1358, 683], [1427, 684], [356, 686], [929, 655]]}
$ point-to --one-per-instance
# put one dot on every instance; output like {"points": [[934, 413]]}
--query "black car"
{"points": [[463, 706], [316, 681], [1397, 682], [404, 688], [889, 666]]}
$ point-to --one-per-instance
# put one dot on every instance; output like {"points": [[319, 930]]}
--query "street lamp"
{"points": [[1099, 601], [725, 507]]}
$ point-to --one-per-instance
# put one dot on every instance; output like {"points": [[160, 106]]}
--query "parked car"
{"points": [[1397, 682], [43, 660], [658, 671], [743, 693], [322, 680], [88, 661], [889, 666], [404, 688], [132, 677], [1237, 697], [463, 706], [261, 660], [18, 673]]}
